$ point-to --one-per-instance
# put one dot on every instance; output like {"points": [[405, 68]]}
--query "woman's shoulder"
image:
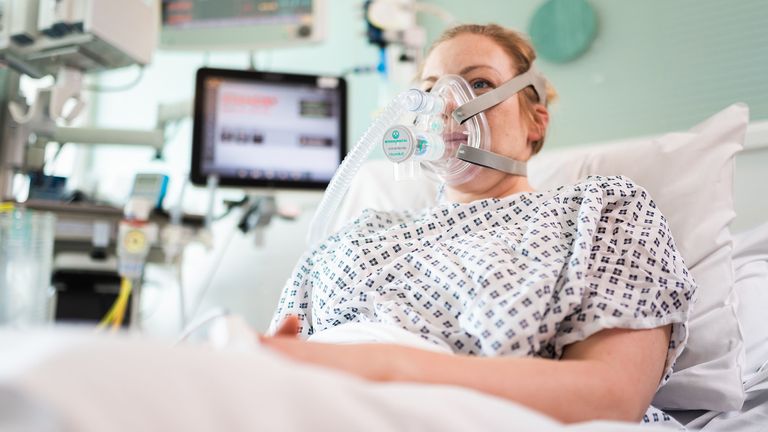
{"points": [[604, 183], [608, 187], [604, 193]]}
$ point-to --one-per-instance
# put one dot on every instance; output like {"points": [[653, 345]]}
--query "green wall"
{"points": [[655, 66]]}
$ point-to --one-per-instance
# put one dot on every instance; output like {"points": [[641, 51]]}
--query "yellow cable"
{"points": [[109, 316], [117, 311], [125, 292]]}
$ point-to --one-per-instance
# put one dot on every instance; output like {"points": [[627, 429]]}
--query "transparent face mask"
{"points": [[431, 137], [454, 91]]}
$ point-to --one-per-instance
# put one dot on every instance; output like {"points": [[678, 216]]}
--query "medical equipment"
{"points": [[453, 148], [264, 129], [66, 39], [85, 270], [38, 37], [241, 24], [393, 26], [150, 186], [340, 182], [136, 234], [447, 148], [26, 252]]}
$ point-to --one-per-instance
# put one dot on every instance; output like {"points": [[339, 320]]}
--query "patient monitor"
{"points": [[240, 24], [264, 129]]}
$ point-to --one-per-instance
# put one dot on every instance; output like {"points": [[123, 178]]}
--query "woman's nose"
{"points": [[450, 123], [449, 107]]}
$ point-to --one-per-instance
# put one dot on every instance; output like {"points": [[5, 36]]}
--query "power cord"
{"points": [[213, 270], [120, 88]]}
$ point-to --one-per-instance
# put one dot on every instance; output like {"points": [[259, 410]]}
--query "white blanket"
{"points": [[81, 382]]}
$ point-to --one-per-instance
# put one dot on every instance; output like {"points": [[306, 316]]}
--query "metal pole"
{"points": [[136, 323], [84, 135], [12, 142]]}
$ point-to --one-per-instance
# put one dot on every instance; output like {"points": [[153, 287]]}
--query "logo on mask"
{"points": [[400, 144]]}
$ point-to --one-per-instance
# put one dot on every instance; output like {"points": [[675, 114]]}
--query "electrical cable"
{"points": [[182, 297], [116, 314], [204, 320], [213, 270], [231, 206], [57, 154], [120, 88], [54, 158]]}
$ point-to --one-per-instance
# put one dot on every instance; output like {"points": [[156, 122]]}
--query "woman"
{"points": [[572, 302]]}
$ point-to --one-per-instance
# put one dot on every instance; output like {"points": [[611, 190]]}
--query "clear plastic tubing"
{"points": [[411, 100]]}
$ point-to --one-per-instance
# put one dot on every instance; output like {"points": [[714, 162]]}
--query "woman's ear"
{"points": [[541, 115]]}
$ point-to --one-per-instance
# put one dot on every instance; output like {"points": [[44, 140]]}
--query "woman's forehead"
{"points": [[460, 52]]}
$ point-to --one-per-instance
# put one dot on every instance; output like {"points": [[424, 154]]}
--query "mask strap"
{"points": [[491, 160], [481, 103]]}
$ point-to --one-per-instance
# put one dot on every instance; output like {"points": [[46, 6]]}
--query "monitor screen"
{"points": [[227, 13], [240, 24], [259, 129]]}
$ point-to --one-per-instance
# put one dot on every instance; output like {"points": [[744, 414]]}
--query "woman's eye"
{"points": [[480, 85]]}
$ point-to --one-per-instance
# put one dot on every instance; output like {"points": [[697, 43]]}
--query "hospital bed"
{"points": [[74, 380]]}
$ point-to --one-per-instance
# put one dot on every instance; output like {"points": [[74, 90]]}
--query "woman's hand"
{"points": [[289, 327]]}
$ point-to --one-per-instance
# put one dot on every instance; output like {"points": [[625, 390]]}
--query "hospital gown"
{"points": [[525, 275]]}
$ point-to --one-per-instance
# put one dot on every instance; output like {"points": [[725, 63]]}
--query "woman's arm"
{"points": [[611, 375]]}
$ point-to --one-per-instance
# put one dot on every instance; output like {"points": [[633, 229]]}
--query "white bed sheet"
{"points": [[752, 417], [87, 383], [751, 267]]}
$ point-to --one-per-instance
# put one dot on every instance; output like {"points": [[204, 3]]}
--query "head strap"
{"points": [[481, 103], [491, 160]]}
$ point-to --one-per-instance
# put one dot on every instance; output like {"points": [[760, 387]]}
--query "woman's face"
{"points": [[485, 66]]}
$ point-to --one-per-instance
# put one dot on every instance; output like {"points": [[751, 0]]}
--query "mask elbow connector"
{"points": [[421, 102]]}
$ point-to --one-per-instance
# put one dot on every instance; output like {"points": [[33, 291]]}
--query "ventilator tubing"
{"points": [[410, 100]]}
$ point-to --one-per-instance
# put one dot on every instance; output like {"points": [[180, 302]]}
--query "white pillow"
{"points": [[750, 260], [690, 177], [375, 187]]}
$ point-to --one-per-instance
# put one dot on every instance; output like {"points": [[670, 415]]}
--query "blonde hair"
{"points": [[522, 54]]}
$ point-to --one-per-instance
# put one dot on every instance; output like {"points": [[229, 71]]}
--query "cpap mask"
{"points": [[448, 134], [445, 132]]}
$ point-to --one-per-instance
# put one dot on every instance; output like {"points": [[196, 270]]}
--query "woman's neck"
{"points": [[509, 185]]}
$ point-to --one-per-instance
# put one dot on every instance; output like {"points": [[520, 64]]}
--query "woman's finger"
{"points": [[289, 327]]}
